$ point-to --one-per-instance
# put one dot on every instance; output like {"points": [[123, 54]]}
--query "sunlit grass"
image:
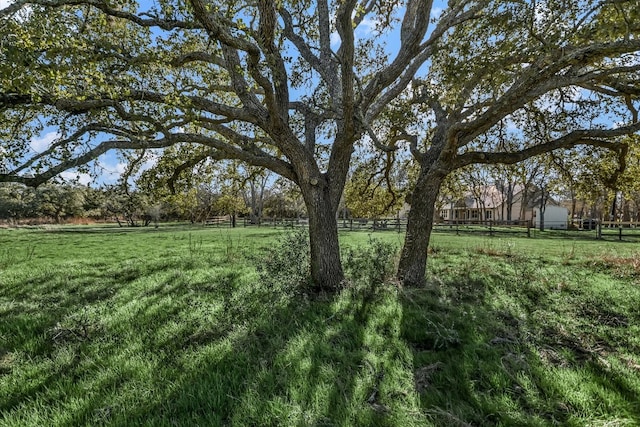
{"points": [[173, 326]]}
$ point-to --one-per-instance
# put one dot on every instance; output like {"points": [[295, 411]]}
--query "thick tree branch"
{"points": [[82, 159], [74, 137], [218, 28], [197, 56], [76, 106], [165, 24], [413, 53], [539, 79], [593, 137], [223, 150], [326, 68], [266, 32], [324, 26], [187, 165], [240, 85], [249, 154]]}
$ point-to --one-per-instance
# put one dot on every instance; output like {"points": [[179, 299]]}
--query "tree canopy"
{"points": [[519, 80], [287, 85], [293, 86]]}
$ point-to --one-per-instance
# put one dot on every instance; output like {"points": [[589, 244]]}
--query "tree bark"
{"points": [[413, 259], [543, 205], [510, 201], [626, 211], [614, 205], [326, 267]]}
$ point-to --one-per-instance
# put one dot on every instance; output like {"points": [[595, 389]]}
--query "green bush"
{"points": [[286, 266], [372, 264]]}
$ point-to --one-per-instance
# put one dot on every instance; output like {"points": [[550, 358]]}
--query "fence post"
{"points": [[620, 232]]}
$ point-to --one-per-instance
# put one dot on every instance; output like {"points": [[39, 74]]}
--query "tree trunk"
{"points": [[626, 211], [524, 202], [509, 202], [413, 260], [326, 267]]}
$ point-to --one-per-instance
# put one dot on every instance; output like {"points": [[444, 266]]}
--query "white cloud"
{"points": [[116, 170], [110, 173], [436, 12], [119, 168], [40, 144], [80, 178], [109, 167], [335, 40], [4, 3], [369, 25], [149, 163]]}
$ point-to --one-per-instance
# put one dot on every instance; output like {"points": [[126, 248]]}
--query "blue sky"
{"points": [[109, 166]]}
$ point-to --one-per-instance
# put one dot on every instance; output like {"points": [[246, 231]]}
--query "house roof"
{"points": [[490, 197], [485, 197]]}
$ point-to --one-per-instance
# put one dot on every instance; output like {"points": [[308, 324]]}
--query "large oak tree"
{"points": [[522, 79], [290, 86]]}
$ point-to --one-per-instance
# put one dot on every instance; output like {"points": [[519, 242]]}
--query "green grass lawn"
{"points": [[176, 326]]}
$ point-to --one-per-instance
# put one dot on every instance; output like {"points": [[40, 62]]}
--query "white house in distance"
{"points": [[555, 216], [488, 203]]}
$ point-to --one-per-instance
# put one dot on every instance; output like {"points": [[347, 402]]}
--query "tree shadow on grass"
{"points": [[188, 348], [213, 349], [299, 363], [491, 353], [56, 312]]}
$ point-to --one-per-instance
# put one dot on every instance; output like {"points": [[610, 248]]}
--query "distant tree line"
{"points": [[301, 87], [606, 189], [589, 182], [58, 203]]}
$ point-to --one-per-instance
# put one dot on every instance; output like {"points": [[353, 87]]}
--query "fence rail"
{"points": [[618, 229], [484, 226], [400, 225], [218, 221], [603, 229]]}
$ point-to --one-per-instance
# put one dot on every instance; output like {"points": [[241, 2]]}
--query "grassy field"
{"points": [[191, 326]]}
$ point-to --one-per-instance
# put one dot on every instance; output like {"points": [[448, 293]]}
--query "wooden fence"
{"points": [[486, 227], [218, 221], [618, 229], [458, 227], [384, 224], [395, 224], [603, 229]]}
